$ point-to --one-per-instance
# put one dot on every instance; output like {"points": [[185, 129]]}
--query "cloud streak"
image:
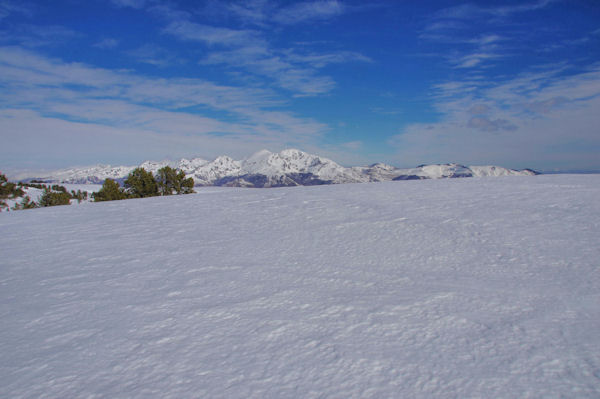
{"points": [[531, 120], [40, 90], [211, 35], [309, 11], [248, 52], [468, 11], [453, 25], [8, 7]]}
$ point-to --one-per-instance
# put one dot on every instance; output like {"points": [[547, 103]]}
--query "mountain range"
{"points": [[289, 167]]}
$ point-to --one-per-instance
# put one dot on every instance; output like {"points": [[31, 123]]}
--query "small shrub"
{"points": [[51, 198]]}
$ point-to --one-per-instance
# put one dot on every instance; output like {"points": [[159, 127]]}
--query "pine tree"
{"points": [[110, 191], [51, 198], [140, 183], [172, 181], [167, 181], [7, 189], [187, 185]]}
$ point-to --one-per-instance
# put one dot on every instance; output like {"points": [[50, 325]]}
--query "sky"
{"points": [[509, 83]]}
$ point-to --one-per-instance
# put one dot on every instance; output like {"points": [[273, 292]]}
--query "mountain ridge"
{"points": [[290, 167]]}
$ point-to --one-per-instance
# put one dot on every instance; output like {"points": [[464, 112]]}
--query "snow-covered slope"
{"points": [[286, 168], [92, 174], [210, 172], [457, 288]]}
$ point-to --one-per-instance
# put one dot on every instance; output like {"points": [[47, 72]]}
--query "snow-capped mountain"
{"points": [[287, 168], [85, 175]]}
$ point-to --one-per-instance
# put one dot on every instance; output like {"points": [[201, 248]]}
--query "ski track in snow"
{"points": [[444, 288]]}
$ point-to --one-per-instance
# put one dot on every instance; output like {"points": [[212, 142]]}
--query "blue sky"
{"points": [[512, 83]]}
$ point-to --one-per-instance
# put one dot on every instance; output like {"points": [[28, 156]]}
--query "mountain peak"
{"points": [[292, 152], [289, 167]]}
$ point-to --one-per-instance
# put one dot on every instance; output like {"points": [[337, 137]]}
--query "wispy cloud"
{"points": [[106, 104], [211, 35], [8, 7], [309, 11], [264, 13], [107, 43], [322, 60], [130, 3], [39, 35], [250, 54], [478, 45], [571, 42], [544, 116], [290, 70], [254, 12], [486, 124], [264, 62], [473, 60], [154, 55], [468, 11]]}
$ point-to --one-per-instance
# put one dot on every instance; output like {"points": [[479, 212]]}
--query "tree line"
{"points": [[140, 183]]}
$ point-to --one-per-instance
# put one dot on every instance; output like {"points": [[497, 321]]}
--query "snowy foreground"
{"points": [[456, 288]]}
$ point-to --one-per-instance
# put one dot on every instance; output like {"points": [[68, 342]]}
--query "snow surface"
{"points": [[457, 288]]}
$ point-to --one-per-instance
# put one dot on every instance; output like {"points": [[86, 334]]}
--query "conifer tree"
{"points": [[140, 183], [167, 180], [51, 198], [8, 189], [110, 191], [187, 185], [171, 181]]}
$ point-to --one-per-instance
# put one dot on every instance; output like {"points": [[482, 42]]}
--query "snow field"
{"points": [[440, 288]]}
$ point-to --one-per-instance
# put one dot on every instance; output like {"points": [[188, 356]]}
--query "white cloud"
{"points": [[453, 25], [130, 3], [49, 100], [469, 11], [309, 11], [490, 125], [250, 56], [8, 7], [479, 109], [533, 120], [39, 35], [211, 35], [265, 13], [252, 11], [107, 43], [292, 71], [261, 61], [473, 60], [154, 55], [322, 60]]}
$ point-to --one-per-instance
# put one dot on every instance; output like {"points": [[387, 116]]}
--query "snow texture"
{"points": [[459, 288], [267, 169]]}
